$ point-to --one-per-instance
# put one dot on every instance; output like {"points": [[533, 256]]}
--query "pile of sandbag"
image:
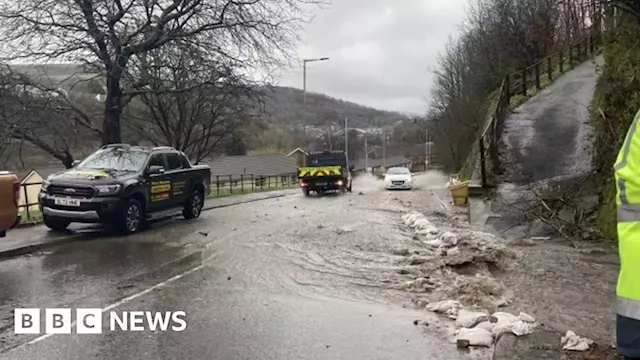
{"points": [[479, 328]]}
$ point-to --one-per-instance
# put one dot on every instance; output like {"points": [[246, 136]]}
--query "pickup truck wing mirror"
{"points": [[155, 170]]}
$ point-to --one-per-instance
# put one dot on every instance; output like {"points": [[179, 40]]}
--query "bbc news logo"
{"points": [[89, 321]]}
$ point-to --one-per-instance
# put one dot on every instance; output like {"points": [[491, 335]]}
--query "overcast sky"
{"points": [[381, 52]]}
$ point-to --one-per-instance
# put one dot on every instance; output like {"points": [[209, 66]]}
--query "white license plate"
{"points": [[321, 184], [67, 202]]}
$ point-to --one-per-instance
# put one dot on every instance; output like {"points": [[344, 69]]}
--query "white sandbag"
{"points": [[454, 251], [468, 319], [521, 328], [433, 243], [513, 324], [430, 230], [526, 318], [504, 317], [475, 336], [504, 322], [486, 325], [446, 307], [571, 341], [422, 223], [449, 239]]}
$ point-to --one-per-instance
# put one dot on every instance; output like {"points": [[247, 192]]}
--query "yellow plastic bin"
{"points": [[460, 193]]}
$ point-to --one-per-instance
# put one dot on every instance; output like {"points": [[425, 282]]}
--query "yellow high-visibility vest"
{"points": [[627, 177]]}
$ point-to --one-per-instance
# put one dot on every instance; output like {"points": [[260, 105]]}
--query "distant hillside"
{"points": [[285, 106], [278, 128]]}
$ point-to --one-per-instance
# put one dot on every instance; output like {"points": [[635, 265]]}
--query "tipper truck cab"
{"points": [[325, 171]]}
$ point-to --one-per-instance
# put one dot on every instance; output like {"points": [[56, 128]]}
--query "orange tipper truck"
{"points": [[9, 196]]}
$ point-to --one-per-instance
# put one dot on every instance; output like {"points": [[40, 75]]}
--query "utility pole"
{"points": [[366, 155], [427, 154], [384, 150], [346, 139], [304, 97]]}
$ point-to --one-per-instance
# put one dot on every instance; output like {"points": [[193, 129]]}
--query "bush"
{"points": [[616, 101]]}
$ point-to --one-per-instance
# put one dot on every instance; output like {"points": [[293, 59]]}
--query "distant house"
{"points": [[232, 168], [299, 155]]}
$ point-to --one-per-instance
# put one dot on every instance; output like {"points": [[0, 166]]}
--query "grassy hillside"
{"points": [[616, 102], [284, 106]]}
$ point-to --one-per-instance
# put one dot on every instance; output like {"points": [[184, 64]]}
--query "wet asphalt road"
{"points": [[286, 278], [549, 136]]}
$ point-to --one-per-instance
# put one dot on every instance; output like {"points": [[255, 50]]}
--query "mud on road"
{"points": [[377, 250], [315, 249]]}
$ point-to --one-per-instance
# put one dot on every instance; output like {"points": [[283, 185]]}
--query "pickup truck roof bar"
{"points": [[121, 145], [327, 152], [163, 148]]}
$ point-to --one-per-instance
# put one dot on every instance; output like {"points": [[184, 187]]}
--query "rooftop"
{"points": [[262, 164]]}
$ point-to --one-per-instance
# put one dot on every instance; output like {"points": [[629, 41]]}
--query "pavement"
{"points": [[24, 240], [283, 278]]}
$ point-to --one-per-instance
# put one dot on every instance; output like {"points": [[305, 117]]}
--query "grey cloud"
{"points": [[382, 51]]}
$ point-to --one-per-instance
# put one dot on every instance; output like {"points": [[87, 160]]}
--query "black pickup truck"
{"points": [[125, 186]]}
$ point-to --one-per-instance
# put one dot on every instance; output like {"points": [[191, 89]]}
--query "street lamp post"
{"points": [[304, 96]]}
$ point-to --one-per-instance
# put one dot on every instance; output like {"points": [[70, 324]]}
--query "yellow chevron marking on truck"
{"points": [[320, 171]]}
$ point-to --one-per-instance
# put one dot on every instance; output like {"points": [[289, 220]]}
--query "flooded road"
{"points": [[285, 278]]}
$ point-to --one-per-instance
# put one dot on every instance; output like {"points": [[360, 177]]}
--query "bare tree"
{"points": [[192, 103], [107, 35], [500, 36], [53, 120]]}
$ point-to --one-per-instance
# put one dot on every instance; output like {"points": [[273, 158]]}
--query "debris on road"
{"points": [[473, 337], [469, 319], [573, 342], [460, 262], [203, 233], [417, 259], [446, 307]]}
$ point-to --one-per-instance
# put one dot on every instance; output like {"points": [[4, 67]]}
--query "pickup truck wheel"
{"points": [[305, 191], [55, 224], [132, 217], [193, 208]]}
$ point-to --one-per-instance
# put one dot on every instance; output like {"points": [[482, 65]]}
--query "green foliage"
{"points": [[235, 145], [616, 101]]}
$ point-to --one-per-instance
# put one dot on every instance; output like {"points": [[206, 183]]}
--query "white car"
{"points": [[398, 178]]}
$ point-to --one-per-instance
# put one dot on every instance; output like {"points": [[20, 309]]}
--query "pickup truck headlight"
{"points": [[107, 189]]}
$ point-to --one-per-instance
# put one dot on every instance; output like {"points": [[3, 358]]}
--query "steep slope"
{"points": [[549, 136]]}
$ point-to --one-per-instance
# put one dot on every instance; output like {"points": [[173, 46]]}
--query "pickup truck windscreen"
{"points": [[115, 159]]}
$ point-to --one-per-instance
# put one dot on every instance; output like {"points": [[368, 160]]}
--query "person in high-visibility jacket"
{"points": [[627, 177]]}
